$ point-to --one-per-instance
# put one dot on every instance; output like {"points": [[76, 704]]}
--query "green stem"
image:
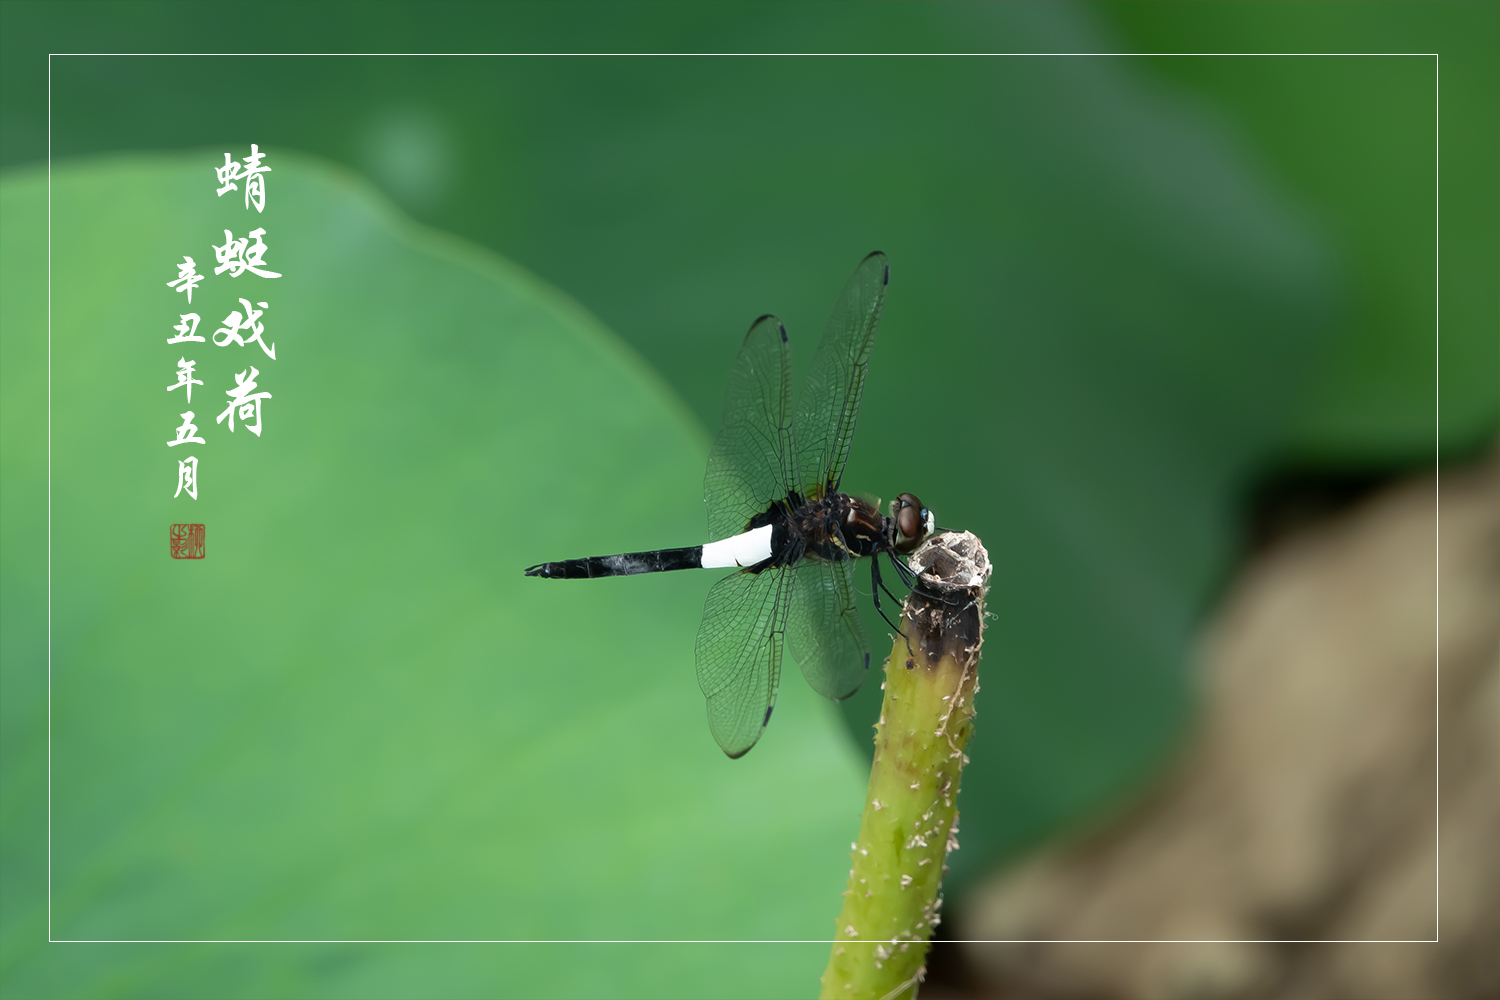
{"points": [[910, 820]]}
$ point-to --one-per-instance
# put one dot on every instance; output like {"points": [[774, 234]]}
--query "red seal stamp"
{"points": [[187, 541]]}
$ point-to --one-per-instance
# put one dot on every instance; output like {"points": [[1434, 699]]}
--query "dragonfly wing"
{"points": [[828, 638], [829, 403], [751, 462], [739, 654]]}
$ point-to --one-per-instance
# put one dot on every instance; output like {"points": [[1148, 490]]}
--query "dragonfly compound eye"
{"points": [[909, 516]]}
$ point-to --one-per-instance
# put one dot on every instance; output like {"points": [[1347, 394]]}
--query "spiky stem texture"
{"points": [[910, 821]]}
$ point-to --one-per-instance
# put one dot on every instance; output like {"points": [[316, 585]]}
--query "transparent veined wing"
{"points": [[829, 403], [751, 462], [739, 654], [828, 638]]}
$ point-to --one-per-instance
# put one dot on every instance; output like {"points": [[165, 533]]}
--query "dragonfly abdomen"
{"points": [[744, 549], [624, 564]]}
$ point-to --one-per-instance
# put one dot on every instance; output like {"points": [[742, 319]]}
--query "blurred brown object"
{"points": [[1305, 807]]}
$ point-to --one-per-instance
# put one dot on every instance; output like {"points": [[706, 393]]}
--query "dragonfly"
{"points": [[778, 516]]}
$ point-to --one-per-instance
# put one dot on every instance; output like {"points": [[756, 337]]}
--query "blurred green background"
{"points": [[1129, 296]]}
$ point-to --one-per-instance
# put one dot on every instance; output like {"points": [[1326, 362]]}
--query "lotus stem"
{"points": [[910, 822]]}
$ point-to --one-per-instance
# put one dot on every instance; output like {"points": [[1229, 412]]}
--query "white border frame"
{"points": [[1437, 499]]}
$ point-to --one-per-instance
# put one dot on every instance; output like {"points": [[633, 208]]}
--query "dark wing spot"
{"points": [[910, 663], [867, 661], [767, 719], [886, 280], [783, 332]]}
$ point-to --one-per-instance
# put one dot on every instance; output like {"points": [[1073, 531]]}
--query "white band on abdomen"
{"points": [[739, 550]]}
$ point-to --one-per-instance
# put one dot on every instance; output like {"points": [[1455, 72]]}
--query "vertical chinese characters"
{"points": [[187, 468], [242, 327]]}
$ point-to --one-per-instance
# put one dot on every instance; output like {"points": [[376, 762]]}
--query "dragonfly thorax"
{"points": [[838, 527]]}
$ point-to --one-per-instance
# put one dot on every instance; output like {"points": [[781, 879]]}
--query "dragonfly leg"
{"points": [[876, 586], [905, 572], [880, 584]]}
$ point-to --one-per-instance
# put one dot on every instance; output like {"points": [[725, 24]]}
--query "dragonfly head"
{"points": [[914, 522]]}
